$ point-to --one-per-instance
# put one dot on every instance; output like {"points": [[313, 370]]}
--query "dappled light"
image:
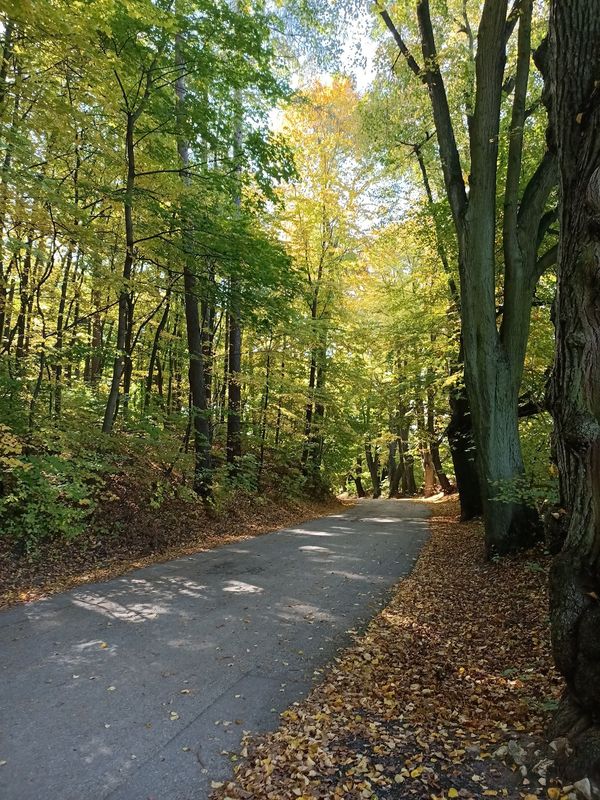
{"points": [[239, 587], [299, 298], [136, 670]]}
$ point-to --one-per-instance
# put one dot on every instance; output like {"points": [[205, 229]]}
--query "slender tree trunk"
{"points": [[199, 412], [60, 318], [280, 396], [125, 290], [575, 385], [129, 346], [234, 385], [426, 459], [434, 447], [24, 305], [318, 416], [234, 372], [264, 407], [308, 414], [154, 352], [208, 335]]}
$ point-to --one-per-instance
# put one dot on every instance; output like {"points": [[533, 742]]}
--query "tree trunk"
{"points": [[199, 413], [24, 304], [360, 491], [494, 358], [124, 292], [434, 447], [58, 366], [154, 352], [234, 372], [280, 395], [462, 450], [264, 409], [373, 465], [429, 484], [396, 468], [316, 432], [575, 385], [234, 385]]}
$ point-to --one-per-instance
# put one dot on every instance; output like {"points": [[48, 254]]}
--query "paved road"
{"points": [[133, 688]]}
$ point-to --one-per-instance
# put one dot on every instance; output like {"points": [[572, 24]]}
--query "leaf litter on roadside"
{"points": [[455, 666]]}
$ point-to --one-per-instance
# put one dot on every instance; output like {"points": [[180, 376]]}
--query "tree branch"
{"points": [[512, 255], [453, 177], [401, 44]]}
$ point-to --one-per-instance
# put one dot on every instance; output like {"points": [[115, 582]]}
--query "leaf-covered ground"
{"points": [[456, 666], [128, 533]]}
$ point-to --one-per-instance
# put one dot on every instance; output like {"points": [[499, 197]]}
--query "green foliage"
{"points": [[305, 215], [47, 495], [538, 488]]}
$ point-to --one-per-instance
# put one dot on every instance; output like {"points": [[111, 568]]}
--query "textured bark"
{"points": [[462, 450], [575, 387]]}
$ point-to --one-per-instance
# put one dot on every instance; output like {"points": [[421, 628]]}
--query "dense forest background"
{"points": [[229, 268]]}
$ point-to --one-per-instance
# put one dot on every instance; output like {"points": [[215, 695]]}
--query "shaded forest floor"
{"points": [[127, 532], [445, 695]]}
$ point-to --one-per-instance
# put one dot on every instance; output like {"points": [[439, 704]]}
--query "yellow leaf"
{"points": [[453, 792], [416, 772], [554, 793]]}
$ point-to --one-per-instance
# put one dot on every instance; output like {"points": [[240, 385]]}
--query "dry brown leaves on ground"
{"points": [[457, 664]]}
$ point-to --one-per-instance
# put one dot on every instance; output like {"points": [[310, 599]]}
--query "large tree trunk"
{"points": [[360, 491], [575, 387], [462, 450], [493, 358], [373, 465], [396, 468]]}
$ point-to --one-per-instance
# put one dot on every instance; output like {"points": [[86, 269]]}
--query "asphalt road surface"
{"points": [[137, 688]]}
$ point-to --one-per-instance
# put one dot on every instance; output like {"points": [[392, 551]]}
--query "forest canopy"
{"points": [[228, 261]]}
